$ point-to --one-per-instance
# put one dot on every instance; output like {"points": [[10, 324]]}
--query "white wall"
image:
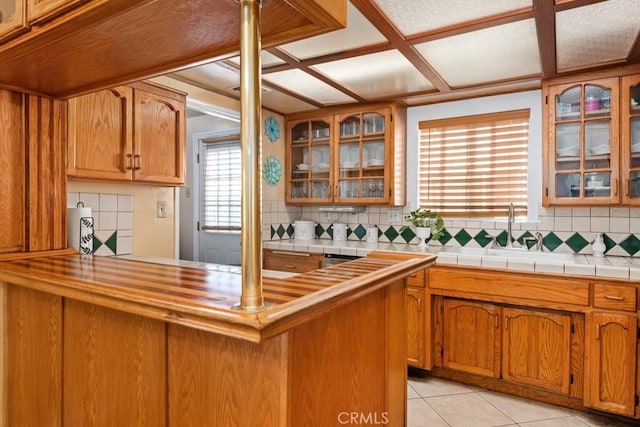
{"points": [[491, 104]]}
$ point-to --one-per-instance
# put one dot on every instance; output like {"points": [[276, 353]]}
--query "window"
{"points": [[221, 184], [474, 166]]}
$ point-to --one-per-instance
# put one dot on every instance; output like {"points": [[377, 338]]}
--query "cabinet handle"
{"points": [[506, 322], [597, 331], [615, 187], [291, 266], [130, 158], [614, 297], [627, 188], [419, 305], [137, 160]]}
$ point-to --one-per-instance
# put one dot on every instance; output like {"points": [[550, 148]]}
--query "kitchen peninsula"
{"points": [[98, 340]]}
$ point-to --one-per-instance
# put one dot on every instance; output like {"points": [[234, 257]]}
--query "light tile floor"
{"points": [[434, 402]]}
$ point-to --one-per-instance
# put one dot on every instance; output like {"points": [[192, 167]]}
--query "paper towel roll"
{"points": [[77, 230]]}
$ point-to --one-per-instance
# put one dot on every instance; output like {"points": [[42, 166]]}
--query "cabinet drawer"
{"points": [[294, 262], [615, 297], [416, 279]]}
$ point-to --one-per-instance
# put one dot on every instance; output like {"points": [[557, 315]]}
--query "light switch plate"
{"points": [[394, 216], [161, 209]]}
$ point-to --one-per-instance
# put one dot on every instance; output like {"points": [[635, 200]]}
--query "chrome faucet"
{"points": [[510, 220]]}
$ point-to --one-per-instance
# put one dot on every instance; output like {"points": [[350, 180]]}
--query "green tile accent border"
{"points": [[576, 242]]}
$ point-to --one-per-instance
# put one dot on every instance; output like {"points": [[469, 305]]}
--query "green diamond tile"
{"points": [[96, 243], [445, 238], [407, 234], [290, 230], [631, 244], [273, 232], [462, 237], [609, 243], [482, 238], [551, 241], [525, 240], [576, 242], [280, 231], [111, 242], [501, 239], [360, 231], [391, 233], [320, 230]]}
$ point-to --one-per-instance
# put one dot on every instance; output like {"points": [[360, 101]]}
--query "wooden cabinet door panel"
{"points": [[43, 10], [12, 168], [611, 351], [536, 348], [159, 138], [472, 337], [14, 19], [100, 135], [415, 327]]}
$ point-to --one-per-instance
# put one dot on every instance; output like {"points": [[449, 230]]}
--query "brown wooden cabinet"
{"points": [[471, 337], [592, 139], [347, 156], [128, 133], [536, 348], [293, 262], [611, 352], [41, 11], [17, 16]]}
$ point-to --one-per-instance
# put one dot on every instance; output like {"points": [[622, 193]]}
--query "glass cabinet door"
{"points": [[309, 161], [13, 18], [362, 157], [584, 147], [630, 144]]}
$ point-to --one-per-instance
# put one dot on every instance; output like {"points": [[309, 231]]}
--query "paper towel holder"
{"points": [[86, 233]]}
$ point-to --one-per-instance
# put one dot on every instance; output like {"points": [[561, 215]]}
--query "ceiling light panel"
{"points": [[359, 32], [213, 75], [266, 59], [308, 86], [596, 34], [488, 55], [283, 103], [376, 75], [434, 14]]}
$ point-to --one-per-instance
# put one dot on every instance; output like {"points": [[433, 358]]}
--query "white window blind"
{"points": [[474, 166], [220, 172]]}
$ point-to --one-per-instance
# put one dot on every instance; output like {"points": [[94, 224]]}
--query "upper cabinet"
{"points": [[128, 133], [592, 135], [16, 16], [349, 156], [43, 10], [630, 139]]}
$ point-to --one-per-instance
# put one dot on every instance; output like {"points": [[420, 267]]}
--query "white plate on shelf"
{"points": [[323, 165], [348, 164], [568, 151], [635, 148], [302, 167], [376, 162]]}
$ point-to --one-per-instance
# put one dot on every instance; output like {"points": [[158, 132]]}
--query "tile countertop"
{"points": [[583, 265]]}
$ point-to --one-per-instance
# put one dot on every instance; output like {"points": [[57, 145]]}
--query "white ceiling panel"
{"points": [[491, 54], [359, 32], [420, 16], [217, 75], [266, 59], [597, 33], [379, 74], [486, 91], [283, 103], [308, 86]]}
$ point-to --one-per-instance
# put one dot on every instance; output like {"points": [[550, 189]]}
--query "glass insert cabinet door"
{"points": [[584, 143], [630, 143], [309, 166], [13, 18], [362, 156]]}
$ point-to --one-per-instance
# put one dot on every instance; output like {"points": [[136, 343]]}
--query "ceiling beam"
{"points": [[545, 18], [397, 41]]}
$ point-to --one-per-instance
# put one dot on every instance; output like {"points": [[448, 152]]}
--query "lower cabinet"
{"points": [[471, 337], [536, 348], [520, 345], [611, 352], [416, 307]]}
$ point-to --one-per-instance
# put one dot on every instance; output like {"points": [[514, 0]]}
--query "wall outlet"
{"points": [[161, 209], [394, 216]]}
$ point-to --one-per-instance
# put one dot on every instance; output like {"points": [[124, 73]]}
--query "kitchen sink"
{"points": [[511, 253]]}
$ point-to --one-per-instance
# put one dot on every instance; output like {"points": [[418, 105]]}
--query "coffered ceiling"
{"points": [[426, 51]]}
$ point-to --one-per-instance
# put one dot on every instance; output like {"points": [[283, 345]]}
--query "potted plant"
{"points": [[427, 223]]}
